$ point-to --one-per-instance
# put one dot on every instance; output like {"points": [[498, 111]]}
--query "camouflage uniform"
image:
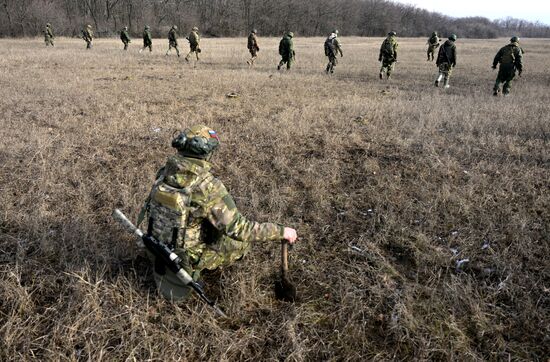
{"points": [[332, 48], [388, 55], [253, 47], [88, 36], [173, 40], [215, 233], [446, 61], [194, 43], [147, 39], [286, 51], [510, 58], [125, 37], [48, 35], [433, 44]]}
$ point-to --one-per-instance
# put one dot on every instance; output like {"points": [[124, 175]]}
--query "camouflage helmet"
{"points": [[453, 37], [195, 28], [434, 33], [199, 141], [335, 31], [89, 26], [514, 39], [254, 31], [392, 33], [146, 26], [125, 28], [290, 34], [48, 25], [175, 27]]}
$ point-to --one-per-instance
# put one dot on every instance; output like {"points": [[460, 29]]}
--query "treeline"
{"points": [[236, 17]]}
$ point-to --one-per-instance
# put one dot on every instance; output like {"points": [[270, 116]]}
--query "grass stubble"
{"points": [[389, 184]]}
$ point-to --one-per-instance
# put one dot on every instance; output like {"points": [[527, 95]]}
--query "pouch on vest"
{"points": [[168, 213]]}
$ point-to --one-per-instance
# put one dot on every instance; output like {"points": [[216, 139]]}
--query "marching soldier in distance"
{"points": [[286, 51], [433, 44], [173, 40], [48, 35], [253, 47], [125, 37], [510, 58], [88, 36], [194, 43], [332, 48], [147, 39], [388, 55], [446, 61]]}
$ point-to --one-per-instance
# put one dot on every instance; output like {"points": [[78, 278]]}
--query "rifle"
{"points": [[170, 259]]}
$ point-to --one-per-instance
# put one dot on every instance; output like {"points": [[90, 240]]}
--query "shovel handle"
{"points": [[284, 257]]}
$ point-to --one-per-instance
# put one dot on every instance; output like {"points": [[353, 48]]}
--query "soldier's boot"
{"points": [[381, 75], [446, 83], [167, 52], [506, 89], [438, 80], [328, 68], [178, 52]]}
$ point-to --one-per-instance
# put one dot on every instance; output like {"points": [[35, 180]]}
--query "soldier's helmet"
{"points": [[125, 28], [434, 33], [514, 39], [89, 26], [175, 27], [199, 141], [254, 31], [195, 28], [453, 37], [335, 31], [290, 34], [146, 26], [392, 33], [48, 25]]}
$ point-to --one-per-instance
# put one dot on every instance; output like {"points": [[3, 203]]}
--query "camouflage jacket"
{"points": [[388, 49], [172, 37], [124, 36], [194, 38], [510, 54], [286, 47], [213, 211], [253, 42], [147, 37], [48, 33], [333, 46], [447, 53], [87, 34], [433, 41]]}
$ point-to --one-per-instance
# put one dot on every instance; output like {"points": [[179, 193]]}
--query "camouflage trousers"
{"points": [[49, 41], [253, 55], [173, 45], [125, 45], [147, 45], [387, 67], [88, 44], [288, 60], [445, 70], [222, 253], [332, 62], [506, 74], [194, 49], [431, 52]]}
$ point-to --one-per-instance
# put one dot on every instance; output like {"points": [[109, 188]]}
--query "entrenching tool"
{"points": [[284, 289]]}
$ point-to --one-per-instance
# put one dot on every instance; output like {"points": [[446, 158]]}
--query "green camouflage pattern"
{"points": [[147, 39], [194, 44], [510, 58], [446, 61], [253, 47], [88, 36], [215, 233], [286, 51], [332, 51], [125, 38], [173, 41], [433, 44], [48, 35], [388, 56]]}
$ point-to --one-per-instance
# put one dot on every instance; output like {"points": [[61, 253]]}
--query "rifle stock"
{"points": [[170, 259]]}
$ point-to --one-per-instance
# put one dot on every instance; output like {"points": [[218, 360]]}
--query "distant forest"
{"points": [[217, 18]]}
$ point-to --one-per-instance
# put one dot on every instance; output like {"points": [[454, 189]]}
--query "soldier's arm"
{"points": [[498, 56], [519, 60], [224, 216]]}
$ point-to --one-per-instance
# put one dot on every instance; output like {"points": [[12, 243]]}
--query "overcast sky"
{"points": [[532, 10]]}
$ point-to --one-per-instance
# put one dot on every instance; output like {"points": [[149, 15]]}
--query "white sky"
{"points": [[532, 10]]}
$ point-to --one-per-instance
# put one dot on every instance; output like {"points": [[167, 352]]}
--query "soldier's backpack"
{"points": [[329, 46], [508, 55], [387, 47], [282, 47]]}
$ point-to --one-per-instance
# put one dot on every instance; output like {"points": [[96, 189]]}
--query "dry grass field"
{"points": [[390, 185]]}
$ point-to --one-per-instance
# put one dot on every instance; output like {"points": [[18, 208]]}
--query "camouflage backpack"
{"points": [[387, 47], [329, 46], [508, 54]]}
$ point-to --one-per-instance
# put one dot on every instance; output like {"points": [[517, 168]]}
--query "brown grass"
{"points": [[389, 184]]}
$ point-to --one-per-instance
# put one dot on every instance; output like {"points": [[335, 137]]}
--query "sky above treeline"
{"points": [[532, 10]]}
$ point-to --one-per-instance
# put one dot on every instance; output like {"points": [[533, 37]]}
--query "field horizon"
{"points": [[423, 215]]}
